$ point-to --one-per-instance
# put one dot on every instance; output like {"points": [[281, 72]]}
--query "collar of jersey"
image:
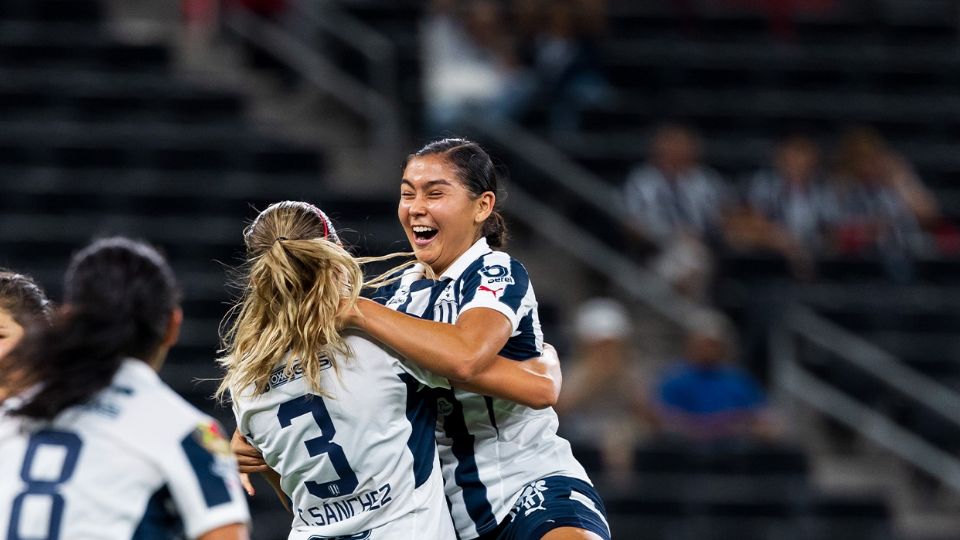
{"points": [[139, 368], [459, 266]]}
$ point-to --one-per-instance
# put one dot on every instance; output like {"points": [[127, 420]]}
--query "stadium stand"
{"points": [[99, 135]]}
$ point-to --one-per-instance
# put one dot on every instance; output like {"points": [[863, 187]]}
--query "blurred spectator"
{"points": [[782, 211], [677, 203], [602, 402], [703, 396], [877, 204], [470, 64], [565, 60]]}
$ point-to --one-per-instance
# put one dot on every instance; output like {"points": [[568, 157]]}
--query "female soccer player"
{"points": [[345, 423], [506, 473], [94, 444]]}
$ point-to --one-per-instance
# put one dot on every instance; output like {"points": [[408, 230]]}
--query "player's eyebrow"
{"points": [[429, 183]]}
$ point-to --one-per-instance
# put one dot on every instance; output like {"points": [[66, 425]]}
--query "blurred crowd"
{"points": [[862, 199], [501, 58], [617, 396]]}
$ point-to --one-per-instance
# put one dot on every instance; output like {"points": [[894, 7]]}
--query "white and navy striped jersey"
{"points": [[359, 457], [489, 448], [136, 461]]}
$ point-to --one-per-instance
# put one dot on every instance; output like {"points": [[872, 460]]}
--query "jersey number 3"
{"points": [[312, 404], [45, 483]]}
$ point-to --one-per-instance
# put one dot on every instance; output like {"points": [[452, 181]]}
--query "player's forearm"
{"points": [[444, 349], [517, 381]]}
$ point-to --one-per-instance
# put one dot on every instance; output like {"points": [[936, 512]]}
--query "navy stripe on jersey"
{"points": [[204, 466], [422, 414], [416, 286], [493, 417], [159, 522], [380, 295], [523, 345], [466, 474]]}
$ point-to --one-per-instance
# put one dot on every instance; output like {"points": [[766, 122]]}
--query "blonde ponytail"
{"points": [[295, 285]]}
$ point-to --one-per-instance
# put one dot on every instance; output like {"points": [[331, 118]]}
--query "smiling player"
{"points": [[506, 472]]}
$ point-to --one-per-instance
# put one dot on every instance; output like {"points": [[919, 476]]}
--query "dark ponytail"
{"points": [[119, 295], [495, 230], [477, 173]]}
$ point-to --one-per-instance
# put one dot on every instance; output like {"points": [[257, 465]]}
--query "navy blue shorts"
{"points": [[551, 503]]}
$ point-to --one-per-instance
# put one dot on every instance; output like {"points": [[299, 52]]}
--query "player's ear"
{"points": [[173, 328], [484, 206]]}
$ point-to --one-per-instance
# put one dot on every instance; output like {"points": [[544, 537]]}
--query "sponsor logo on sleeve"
{"points": [[496, 273]]}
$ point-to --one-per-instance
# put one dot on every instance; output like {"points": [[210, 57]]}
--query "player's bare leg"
{"points": [[570, 533]]}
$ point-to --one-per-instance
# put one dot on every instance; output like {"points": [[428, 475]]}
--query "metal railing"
{"points": [[379, 112], [555, 165], [793, 380], [640, 283], [314, 16]]}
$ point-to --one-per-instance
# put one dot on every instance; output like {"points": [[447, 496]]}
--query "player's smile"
{"points": [[423, 235]]}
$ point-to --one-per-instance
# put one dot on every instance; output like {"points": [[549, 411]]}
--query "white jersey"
{"points": [[131, 463], [360, 458], [489, 448]]}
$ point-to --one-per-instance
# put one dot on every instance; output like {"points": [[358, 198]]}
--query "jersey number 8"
{"points": [[47, 485], [323, 444]]}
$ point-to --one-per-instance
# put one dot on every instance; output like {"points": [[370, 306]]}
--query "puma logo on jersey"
{"points": [[495, 292]]}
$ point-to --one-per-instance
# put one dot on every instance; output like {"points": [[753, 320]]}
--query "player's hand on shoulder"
{"points": [[249, 459], [351, 316], [549, 364]]}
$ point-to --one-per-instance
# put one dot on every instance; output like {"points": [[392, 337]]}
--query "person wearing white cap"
{"points": [[601, 403]]}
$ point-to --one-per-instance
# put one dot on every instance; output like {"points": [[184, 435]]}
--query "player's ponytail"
{"points": [[477, 173], [495, 230], [297, 279], [119, 295]]}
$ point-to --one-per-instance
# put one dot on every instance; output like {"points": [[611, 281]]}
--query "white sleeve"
{"points": [[501, 284], [201, 474]]}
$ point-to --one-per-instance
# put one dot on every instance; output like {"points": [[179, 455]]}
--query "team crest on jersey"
{"points": [[209, 435], [399, 298], [531, 500], [496, 273], [444, 407]]}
